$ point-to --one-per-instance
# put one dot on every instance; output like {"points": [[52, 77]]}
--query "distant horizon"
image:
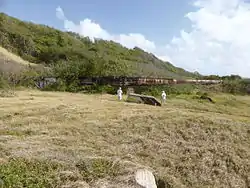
{"points": [[199, 36]]}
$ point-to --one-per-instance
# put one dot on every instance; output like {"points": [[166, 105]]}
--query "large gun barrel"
{"points": [[140, 81]]}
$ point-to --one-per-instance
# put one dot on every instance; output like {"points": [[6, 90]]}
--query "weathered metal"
{"points": [[125, 81], [43, 82], [139, 81]]}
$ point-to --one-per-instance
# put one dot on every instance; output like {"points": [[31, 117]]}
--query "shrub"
{"points": [[3, 82], [236, 86]]}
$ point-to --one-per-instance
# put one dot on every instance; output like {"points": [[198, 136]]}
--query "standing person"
{"points": [[163, 97], [119, 93]]}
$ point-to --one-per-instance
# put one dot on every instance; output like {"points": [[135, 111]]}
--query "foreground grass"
{"points": [[70, 140]]}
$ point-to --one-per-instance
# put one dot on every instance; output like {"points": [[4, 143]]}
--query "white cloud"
{"points": [[218, 43], [60, 13], [93, 30]]}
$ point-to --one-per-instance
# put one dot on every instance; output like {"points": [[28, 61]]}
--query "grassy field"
{"points": [[53, 139]]}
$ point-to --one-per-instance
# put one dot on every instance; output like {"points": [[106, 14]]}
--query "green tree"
{"points": [[45, 45]]}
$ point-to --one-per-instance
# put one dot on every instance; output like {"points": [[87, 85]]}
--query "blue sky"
{"points": [[208, 36]]}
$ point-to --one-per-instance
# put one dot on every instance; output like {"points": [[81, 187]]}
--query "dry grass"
{"points": [[10, 62], [187, 143]]}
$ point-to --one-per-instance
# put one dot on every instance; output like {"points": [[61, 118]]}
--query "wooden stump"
{"points": [[145, 178]]}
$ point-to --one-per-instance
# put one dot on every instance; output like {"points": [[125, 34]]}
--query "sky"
{"points": [[208, 36]]}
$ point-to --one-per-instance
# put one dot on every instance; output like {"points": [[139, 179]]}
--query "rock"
{"points": [[77, 184], [145, 178]]}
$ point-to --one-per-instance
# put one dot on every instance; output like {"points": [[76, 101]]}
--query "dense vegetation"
{"points": [[41, 44], [68, 55]]}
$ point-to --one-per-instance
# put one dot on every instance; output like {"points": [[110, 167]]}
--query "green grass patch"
{"points": [[97, 169], [19, 173]]}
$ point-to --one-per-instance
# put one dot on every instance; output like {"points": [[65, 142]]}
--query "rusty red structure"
{"points": [[140, 81], [125, 81]]}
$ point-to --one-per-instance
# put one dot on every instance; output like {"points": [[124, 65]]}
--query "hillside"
{"points": [[41, 44], [11, 63], [53, 139]]}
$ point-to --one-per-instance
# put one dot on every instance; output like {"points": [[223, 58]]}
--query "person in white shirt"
{"points": [[163, 97], [119, 93]]}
